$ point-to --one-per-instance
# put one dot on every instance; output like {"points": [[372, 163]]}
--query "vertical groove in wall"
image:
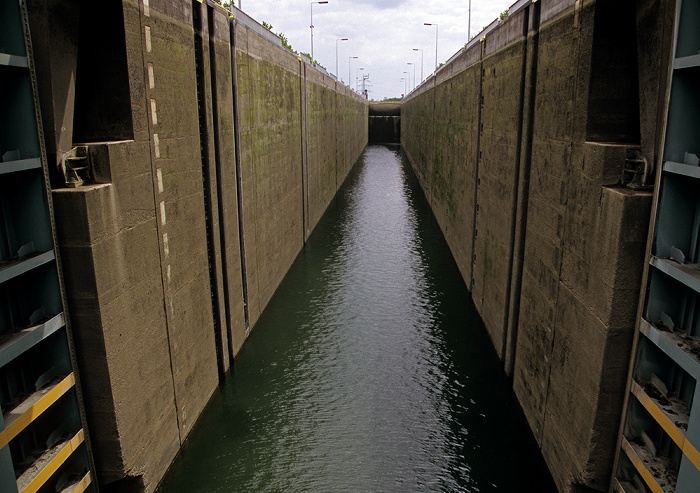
{"points": [[239, 180], [524, 195], [147, 56], [575, 69], [305, 137], [335, 131], [302, 148], [429, 171], [516, 187], [226, 322], [206, 176], [478, 162]]}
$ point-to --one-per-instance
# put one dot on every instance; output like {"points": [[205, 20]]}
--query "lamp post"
{"points": [[421, 61], [312, 28], [404, 86], [350, 60], [414, 73], [469, 23], [408, 78], [337, 74], [436, 40]]}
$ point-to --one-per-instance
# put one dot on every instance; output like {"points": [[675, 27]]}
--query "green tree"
{"points": [[226, 5]]}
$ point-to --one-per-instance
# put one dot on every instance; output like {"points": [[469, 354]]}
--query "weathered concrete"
{"points": [[301, 132], [514, 145], [152, 248]]}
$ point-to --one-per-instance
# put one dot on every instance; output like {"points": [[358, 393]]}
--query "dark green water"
{"points": [[369, 371]]}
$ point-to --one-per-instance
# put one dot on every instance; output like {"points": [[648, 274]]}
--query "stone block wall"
{"points": [[515, 150], [231, 151]]}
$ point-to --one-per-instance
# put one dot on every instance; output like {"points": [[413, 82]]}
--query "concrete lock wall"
{"points": [[212, 157], [519, 143]]}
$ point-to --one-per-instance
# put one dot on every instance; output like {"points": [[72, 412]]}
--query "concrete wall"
{"points": [[301, 132], [514, 147], [231, 152]]}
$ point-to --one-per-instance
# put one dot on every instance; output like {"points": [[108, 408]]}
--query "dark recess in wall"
{"points": [[613, 104], [102, 99], [384, 123], [384, 129]]}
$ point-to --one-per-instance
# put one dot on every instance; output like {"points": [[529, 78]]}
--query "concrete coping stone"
{"points": [[254, 26], [456, 63], [258, 29], [551, 9], [82, 188], [473, 44]]}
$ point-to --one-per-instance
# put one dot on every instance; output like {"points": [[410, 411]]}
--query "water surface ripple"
{"points": [[369, 370]]}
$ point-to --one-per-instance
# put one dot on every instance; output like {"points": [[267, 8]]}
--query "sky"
{"points": [[381, 33]]}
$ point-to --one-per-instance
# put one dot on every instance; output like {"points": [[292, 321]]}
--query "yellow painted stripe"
{"points": [[46, 473], [660, 417], [640, 467], [84, 483], [19, 424], [691, 453], [665, 422]]}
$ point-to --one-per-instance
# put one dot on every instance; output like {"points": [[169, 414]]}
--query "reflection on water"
{"points": [[370, 369]]}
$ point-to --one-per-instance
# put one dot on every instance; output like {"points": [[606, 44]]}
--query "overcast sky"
{"points": [[381, 33]]}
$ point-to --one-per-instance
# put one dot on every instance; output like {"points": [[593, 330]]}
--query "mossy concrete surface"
{"points": [[526, 184], [172, 252]]}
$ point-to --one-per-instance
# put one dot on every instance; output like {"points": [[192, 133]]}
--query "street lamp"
{"points": [[469, 22], [421, 60], [337, 74], [436, 40], [414, 73], [404, 85], [312, 28], [408, 76], [349, 60]]}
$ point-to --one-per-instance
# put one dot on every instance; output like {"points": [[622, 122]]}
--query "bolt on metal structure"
{"points": [[659, 442]]}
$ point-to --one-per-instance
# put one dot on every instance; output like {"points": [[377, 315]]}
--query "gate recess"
{"points": [[42, 438], [660, 442]]}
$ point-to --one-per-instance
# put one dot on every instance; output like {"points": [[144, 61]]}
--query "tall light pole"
{"points": [[337, 74], [408, 76], [357, 83], [469, 23], [414, 73], [421, 60], [312, 28], [350, 60], [404, 86], [436, 40]]}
